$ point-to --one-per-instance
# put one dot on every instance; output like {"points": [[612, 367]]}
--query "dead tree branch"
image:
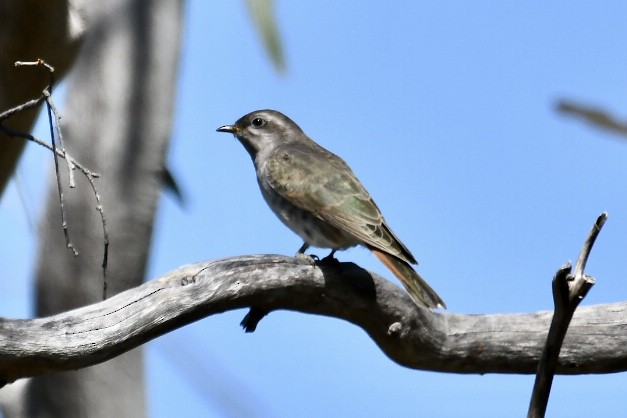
{"points": [[414, 338], [59, 151], [568, 291], [595, 116]]}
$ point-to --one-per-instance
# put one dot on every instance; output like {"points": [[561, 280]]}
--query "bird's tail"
{"points": [[421, 293]]}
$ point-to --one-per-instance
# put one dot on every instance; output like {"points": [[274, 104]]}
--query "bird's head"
{"points": [[262, 130]]}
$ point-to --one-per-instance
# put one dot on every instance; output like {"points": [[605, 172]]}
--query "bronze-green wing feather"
{"points": [[321, 183], [333, 193]]}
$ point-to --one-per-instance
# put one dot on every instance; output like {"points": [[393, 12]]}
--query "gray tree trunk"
{"points": [[117, 122], [31, 29]]}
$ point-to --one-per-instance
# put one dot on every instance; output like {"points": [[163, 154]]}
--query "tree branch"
{"points": [[568, 291], [595, 116], [413, 337]]}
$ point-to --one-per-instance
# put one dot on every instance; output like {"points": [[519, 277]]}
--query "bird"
{"points": [[317, 195]]}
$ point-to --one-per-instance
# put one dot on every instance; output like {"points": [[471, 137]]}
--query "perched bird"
{"points": [[316, 194]]}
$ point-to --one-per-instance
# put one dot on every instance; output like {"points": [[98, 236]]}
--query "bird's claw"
{"points": [[310, 259], [329, 258], [252, 318]]}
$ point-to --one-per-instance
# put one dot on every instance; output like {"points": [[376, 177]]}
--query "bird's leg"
{"points": [[330, 256], [330, 260], [301, 254], [303, 248]]}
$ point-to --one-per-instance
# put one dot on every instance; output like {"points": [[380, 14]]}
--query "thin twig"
{"points": [[68, 242], [105, 234], [24, 106], [587, 246], [59, 152], [568, 291], [37, 62], [57, 124], [596, 116], [90, 175], [51, 109], [63, 154]]}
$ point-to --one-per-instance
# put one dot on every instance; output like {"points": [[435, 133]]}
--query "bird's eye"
{"points": [[258, 122]]}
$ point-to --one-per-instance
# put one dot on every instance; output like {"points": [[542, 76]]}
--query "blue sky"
{"points": [[446, 112]]}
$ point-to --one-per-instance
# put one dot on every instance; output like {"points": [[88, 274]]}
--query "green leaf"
{"points": [[262, 13]]}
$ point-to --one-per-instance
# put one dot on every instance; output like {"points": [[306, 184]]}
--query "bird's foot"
{"points": [[252, 318], [310, 259], [330, 259]]}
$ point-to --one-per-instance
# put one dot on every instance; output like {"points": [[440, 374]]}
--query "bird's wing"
{"points": [[320, 182]]}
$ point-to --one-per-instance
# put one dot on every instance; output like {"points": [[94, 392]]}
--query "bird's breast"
{"points": [[312, 229]]}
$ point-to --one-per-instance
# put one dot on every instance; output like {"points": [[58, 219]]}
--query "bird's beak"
{"points": [[232, 129]]}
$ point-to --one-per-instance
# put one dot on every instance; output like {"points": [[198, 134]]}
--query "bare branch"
{"points": [[36, 63], [55, 131], [55, 157], [585, 252], [24, 106], [568, 291], [594, 116], [413, 337], [52, 110]]}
